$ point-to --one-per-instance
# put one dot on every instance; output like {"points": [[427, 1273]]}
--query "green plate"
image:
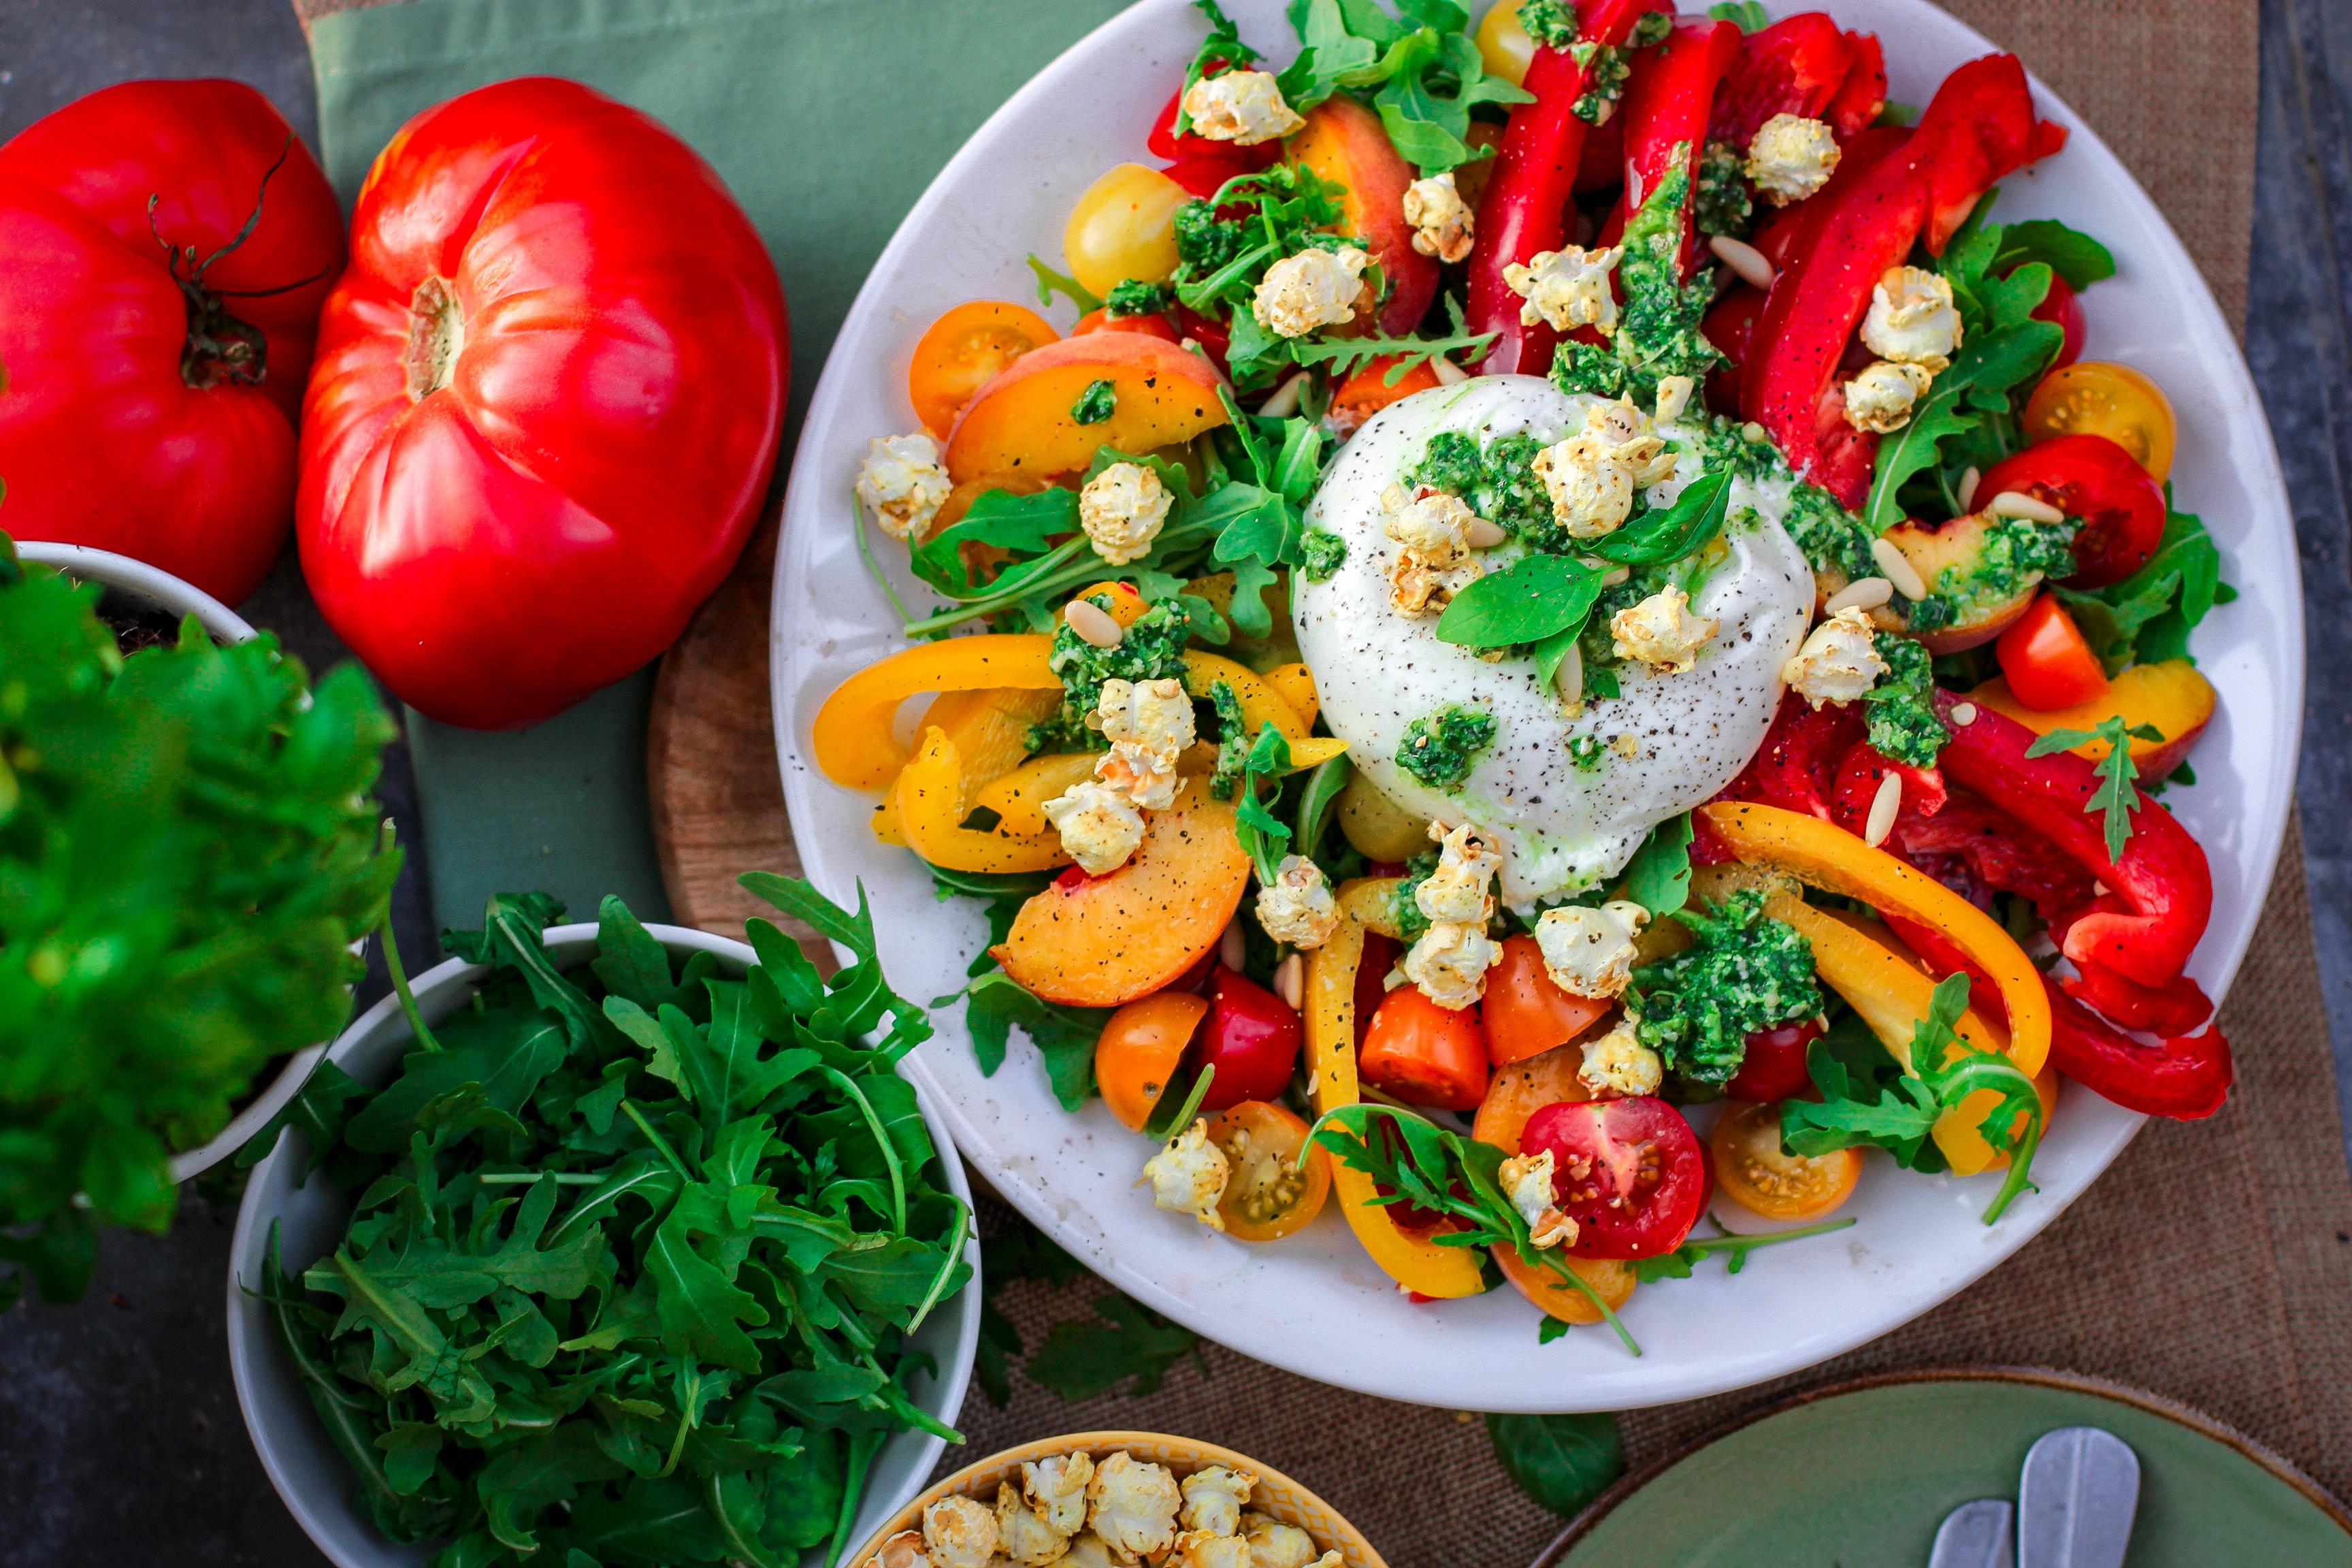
{"points": [[1859, 1475]]}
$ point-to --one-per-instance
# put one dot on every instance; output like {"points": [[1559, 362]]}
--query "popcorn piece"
{"points": [[1313, 288], [1122, 509], [1435, 561], [1840, 661], [1244, 108], [1592, 475], [1912, 319], [1149, 725], [1099, 826], [1274, 1545], [1023, 1535], [902, 483], [1880, 398], [904, 1550], [1661, 631], [1450, 963], [1057, 1490], [1131, 1503], [1205, 1549], [1296, 908], [1619, 1063], [1443, 223], [959, 1533], [1188, 1176], [1460, 888], [1528, 1183], [1214, 1499], [1566, 288], [1087, 1551], [1790, 157], [1590, 952]]}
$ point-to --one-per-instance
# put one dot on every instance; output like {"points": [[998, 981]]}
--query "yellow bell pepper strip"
{"points": [[1416, 1263], [1296, 684], [1261, 704], [1829, 858], [931, 813], [1019, 797], [884, 820], [852, 739]]}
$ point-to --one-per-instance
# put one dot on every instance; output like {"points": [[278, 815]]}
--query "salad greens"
{"points": [[636, 1251], [2117, 797], [186, 852]]}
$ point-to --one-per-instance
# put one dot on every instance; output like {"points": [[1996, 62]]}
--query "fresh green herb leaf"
{"points": [[1750, 14], [1977, 384], [1345, 356], [2070, 252], [1084, 1357], [1658, 878], [2117, 795], [1670, 533], [1050, 283], [1534, 597], [1221, 50], [1561, 1462], [1734, 1250]]}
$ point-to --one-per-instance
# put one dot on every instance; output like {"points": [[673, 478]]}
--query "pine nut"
{"points": [[1743, 259], [1448, 373], [1967, 494], [1964, 714], [1284, 401], [1569, 678], [1898, 569], [1092, 622], [1614, 575], [1885, 806], [2014, 503], [1290, 982], [1755, 434], [1861, 593], [1673, 396], [1233, 948], [1485, 535]]}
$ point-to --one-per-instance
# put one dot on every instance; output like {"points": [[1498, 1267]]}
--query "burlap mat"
{"points": [[2213, 1263]]}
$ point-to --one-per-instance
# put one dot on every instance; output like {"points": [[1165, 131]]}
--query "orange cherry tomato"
{"points": [[1521, 1090], [1367, 391], [1268, 1195], [1425, 1054], [2096, 397], [1613, 1278], [1137, 1054], [962, 351], [2046, 660], [1524, 1012], [1154, 325], [1754, 1173]]}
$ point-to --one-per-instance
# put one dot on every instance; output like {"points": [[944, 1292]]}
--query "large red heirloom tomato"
{"points": [[153, 347], [546, 404]]}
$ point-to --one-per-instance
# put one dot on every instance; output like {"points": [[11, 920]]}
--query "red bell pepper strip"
{"points": [[1163, 142], [1796, 768], [1525, 209], [2173, 1009], [2161, 889], [1203, 176], [1666, 109], [1787, 237], [1862, 96], [1978, 127], [1602, 163], [1793, 67], [1864, 772]]}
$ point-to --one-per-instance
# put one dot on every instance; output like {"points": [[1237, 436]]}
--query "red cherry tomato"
{"points": [[151, 388], [2092, 477], [2062, 308], [1151, 326], [1211, 335], [2048, 664], [546, 403], [1631, 1172], [1381, 954], [1251, 1037], [1774, 1065], [1730, 326], [1425, 1054]]}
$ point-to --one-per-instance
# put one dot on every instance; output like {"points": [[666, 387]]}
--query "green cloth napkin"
{"points": [[826, 118]]}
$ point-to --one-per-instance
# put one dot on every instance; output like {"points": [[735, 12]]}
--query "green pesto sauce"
{"points": [[1410, 922], [1723, 205], [1233, 740], [1498, 483], [1205, 241], [1586, 753], [1134, 297], [1658, 332], [1152, 649], [1901, 708], [1322, 552], [2016, 552], [1098, 403], [1749, 971], [1439, 750]]}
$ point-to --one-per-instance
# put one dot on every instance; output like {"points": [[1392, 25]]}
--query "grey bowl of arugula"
{"points": [[609, 1244]]}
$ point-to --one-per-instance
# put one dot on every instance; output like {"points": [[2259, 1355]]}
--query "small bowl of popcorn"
{"points": [[1117, 1499]]}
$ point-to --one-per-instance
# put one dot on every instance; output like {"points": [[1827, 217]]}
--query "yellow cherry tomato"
{"points": [[1502, 44], [1136, 1055], [1268, 1195], [1756, 1174], [2095, 397], [963, 350], [1124, 226]]}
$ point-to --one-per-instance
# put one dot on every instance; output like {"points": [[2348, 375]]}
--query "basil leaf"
{"points": [[1535, 597], [1561, 1462], [1674, 532], [1658, 878]]}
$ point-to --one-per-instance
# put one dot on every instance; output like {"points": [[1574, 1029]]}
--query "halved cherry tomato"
{"points": [[1730, 326], [1139, 1049], [1521, 1090], [1367, 391], [1153, 325], [2092, 478], [1268, 1195], [1612, 1279], [1773, 1067], [1524, 1012], [1757, 1176], [1425, 1054], [2046, 660], [1631, 1172], [1251, 1037], [2097, 397], [2062, 308], [963, 350]]}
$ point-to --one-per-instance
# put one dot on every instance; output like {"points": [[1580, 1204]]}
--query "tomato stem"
{"points": [[220, 347], [436, 333]]}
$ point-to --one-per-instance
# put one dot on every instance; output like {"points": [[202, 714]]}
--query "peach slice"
{"points": [[2170, 696], [1102, 941], [1344, 141], [1022, 422], [1955, 544]]}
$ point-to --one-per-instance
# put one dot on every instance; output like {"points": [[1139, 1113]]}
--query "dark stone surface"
{"points": [[119, 1437]]}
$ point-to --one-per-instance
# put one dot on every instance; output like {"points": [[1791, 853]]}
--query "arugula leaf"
{"points": [[1345, 356], [1977, 383], [1658, 878], [1063, 1036], [1561, 1462], [2117, 795], [2147, 617], [1263, 837], [1050, 283], [2070, 252], [1223, 47], [1683, 1260], [1535, 597]]}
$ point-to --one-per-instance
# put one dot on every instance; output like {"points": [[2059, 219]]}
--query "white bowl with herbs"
{"points": [[609, 1238]]}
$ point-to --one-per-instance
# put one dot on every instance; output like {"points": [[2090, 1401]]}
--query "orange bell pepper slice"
{"points": [[852, 739], [1414, 1262], [930, 796], [1829, 858]]}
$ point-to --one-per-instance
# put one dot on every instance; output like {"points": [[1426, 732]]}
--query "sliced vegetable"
{"points": [[2046, 662], [1631, 1172], [2095, 481], [1525, 1014], [963, 350], [1271, 1192], [1425, 1054], [1759, 1175], [1139, 1049], [1251, 1037], [1344, 143], [1772, 1067], [1021, 421], [2098, 398], [1523, 1087], [850, 738], [930, 796]]}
